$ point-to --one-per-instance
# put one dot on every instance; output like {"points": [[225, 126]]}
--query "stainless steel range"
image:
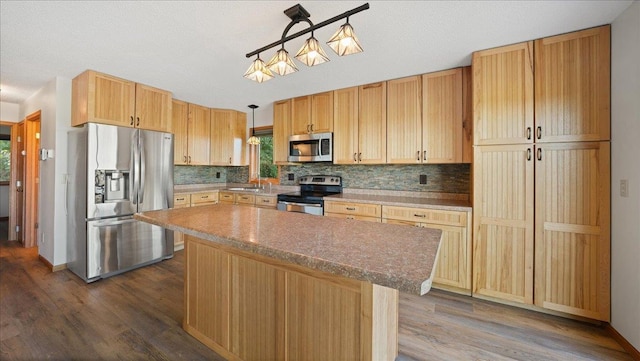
{"points": [[309, 199]]}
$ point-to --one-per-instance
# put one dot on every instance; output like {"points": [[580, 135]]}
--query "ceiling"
{"points": [[196, 49]]}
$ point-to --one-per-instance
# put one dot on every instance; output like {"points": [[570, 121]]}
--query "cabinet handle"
{"points": [[424, 156], [377, 85], [312, 128], [229, 160], [418, 156], [204, 197], [179, 199], [308, 128], [359, 157], [185, 158], [539, 154], [420, 215], [351, 209], [131, 120], [189, 159], [528, 132], [265, 201], [528, 153], [539, 132], [351, 217], [355, 157], [138, 123]]}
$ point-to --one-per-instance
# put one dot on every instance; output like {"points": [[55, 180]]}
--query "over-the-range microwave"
{"points": [[315, 147]]}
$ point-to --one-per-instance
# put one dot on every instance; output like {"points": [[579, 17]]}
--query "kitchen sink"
{"points": [[245, 189]]}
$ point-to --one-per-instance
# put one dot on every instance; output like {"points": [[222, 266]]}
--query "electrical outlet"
{"points": [[42, 239], [624, 188], [291, 176], [217, 174], [423, 179]]}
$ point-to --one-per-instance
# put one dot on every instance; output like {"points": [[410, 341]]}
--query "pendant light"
{"points": [[311, 53], [253, 140], [344, 41], [281, 63], [258, 71]]}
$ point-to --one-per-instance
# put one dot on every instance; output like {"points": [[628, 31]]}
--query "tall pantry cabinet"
{"points": [[542, 183]]}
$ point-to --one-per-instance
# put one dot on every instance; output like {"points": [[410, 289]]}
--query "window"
{"points": [[261, 158], [5, 159]]}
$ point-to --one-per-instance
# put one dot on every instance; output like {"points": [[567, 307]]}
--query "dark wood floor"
{"points": [[138, 315]]}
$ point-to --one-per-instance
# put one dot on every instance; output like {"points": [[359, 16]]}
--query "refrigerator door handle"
{"points": [[133, 179], [108, 223], [141, 171]]}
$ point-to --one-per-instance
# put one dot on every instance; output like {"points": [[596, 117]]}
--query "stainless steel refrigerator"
{"points": [[113, 173]]}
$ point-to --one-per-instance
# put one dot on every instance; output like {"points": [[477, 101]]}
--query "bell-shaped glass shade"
{"points": [[258, 71], [344, 41], [253, 140], [311, 53], [281, 63]]}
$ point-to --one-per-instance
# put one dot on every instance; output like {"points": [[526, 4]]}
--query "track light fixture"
{"points": [[343, 42]]}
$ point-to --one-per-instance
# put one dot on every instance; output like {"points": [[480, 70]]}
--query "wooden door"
{"points": [[573, 228], [301, 115], [102, 98], [467, 116], [31, 179], [345, 126], [503, 95], [180, 127], [442, 117], [503, 222], [17, 158], [404, 121], [199, 133], [238, 140], [573, 85], [153, 108], [222, 121], [372, 123], [281, 130], [322, 112]]}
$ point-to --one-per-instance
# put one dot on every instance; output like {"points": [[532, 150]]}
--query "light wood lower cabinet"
{"points": [[250, 307], [453, 268], [261, 201], [350, 210], [266, 201], [181, 200]]}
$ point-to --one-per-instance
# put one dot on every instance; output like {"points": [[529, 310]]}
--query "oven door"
{"points": [[309, 208]]}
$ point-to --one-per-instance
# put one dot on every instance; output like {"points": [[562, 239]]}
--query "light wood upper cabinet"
{"points": [[572, 86], [228, 132], [106, 99], [442, 108], [199, 128], [345, 119], [281, 130], [467, 116], [404, 120], [503, 222], [312, 113], [372, 123], [191, 125], [503, 95], [572, 228]]}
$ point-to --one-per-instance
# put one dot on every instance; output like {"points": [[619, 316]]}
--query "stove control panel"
{"points": [[330, 180]]}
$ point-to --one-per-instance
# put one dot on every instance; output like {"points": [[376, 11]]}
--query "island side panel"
{"points": [[276, 310]]}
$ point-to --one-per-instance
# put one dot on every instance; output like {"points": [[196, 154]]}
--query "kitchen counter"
{"points": [[404, 201], [263, 284], [393, 256]]}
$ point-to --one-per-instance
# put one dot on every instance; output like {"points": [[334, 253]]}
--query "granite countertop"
{"points": [[195, 188], [404, 201], [394, 256]]}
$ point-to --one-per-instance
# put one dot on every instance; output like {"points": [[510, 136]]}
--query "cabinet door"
{"points": [[180, 126], [281, 130], [153, 108], [221, 135], [301, 115], [573, 228], [573, 87], [372, 123], [102, 98], [199, 129], [442, 117], [404, 121], [238, 139], [503, 222], [467, 116], [454, 259], [345, 135], [322, 112], [503, 95]]}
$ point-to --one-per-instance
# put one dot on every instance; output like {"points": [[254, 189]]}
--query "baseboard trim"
{"points": [[51, 267], [633, 352]]}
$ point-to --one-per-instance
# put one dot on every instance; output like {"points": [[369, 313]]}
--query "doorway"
{"points": [[5, 178]]}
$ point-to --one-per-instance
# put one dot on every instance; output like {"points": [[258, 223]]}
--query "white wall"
{"points": [[54, 102], [625, 164], [9, 112]]}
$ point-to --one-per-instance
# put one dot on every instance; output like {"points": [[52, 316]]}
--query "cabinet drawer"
{"points": [[452, 218], [181, 200], [246, 199], [350, 216], [199, 199], [226, 197], [356, 209], [266, 201]]}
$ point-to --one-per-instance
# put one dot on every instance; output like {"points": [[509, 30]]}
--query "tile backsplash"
{"points": [[447, 178]]}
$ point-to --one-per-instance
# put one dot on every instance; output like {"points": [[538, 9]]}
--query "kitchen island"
{"points": [[265, 284]]}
